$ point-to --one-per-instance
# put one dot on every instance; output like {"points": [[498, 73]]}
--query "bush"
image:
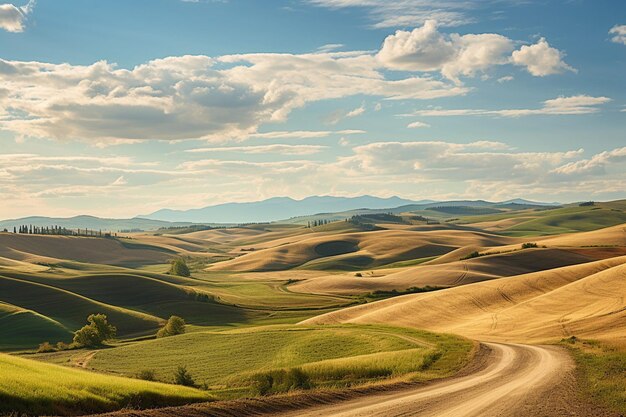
{"points": [[175, 325], [147, 375], [278, 381], [474, 254], [63, 346], [46, 347], [96, 332], [183, 377], [358, 275], [529, 245], [179, 267]]}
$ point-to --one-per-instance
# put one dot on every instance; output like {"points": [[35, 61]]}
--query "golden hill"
{"points": [[352, 251], [584, 300]]}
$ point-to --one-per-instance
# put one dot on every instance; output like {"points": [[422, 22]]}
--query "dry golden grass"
{"points": [[445, 274], [585, 300], [356, 250], [32, 248]]}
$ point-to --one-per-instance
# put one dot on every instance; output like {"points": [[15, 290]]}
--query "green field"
{"points": [[330, 355], [33, 387], [556, 221]]}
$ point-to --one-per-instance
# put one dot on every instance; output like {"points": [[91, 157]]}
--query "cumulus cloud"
{"points": [[619, 34], [454, 55], [13, 18], [427, 49], [189, 96], [540, 59], [573, 105]]}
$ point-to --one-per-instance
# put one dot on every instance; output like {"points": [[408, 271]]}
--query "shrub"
{"points": [[474, 254], [175, 325], [147, 375], [46, 347], [183, 377], [179, 267], [278, 381], [529, 245], [96, 332], [358, 275], [63, 346]]}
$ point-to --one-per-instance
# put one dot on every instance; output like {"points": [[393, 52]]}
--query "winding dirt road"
{"points": [[519, 380]]}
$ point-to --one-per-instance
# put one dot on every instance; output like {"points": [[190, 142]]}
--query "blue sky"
{"points": [[120, 108]]}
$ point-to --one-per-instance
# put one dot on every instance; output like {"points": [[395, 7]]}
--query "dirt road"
{"points": [[519, 380]]}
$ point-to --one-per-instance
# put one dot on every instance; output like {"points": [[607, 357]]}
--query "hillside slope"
{"points": [[583, 300]]}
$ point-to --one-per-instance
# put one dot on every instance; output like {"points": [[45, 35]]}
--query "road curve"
{"points": [[516, 382]]}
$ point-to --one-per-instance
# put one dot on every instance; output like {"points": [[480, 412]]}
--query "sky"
{"points": [[121, 108]]}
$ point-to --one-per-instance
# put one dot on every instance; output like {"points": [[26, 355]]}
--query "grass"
{"points": [[32, 387], [562, 220], [329, 355], [601, 371]]}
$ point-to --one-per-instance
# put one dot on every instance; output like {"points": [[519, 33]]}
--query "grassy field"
{"points": [[32, 387], [556, 221], [602, 372], [329, 355]]}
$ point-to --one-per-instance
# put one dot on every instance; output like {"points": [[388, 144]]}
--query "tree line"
{"points": [[59, 231]]}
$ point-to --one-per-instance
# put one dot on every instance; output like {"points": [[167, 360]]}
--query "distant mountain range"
{"points": [[270, 210], [277, 208]]}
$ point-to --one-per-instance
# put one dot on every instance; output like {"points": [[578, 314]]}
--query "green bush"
{"points": [[147, 375], [278, 381], [529, 245], [46, 347], [183, 377], [96, 332], [179, 267], [175, 325]]}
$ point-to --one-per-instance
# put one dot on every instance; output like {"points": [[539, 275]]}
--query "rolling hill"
{"points": [[584, 300]]}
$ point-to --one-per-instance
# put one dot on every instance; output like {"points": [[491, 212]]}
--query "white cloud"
{"points": [[505, 79], [13, 18], [304, 134], [407, 13], [416, 125], [274, 148], [330, 47], [574, 105], [188, 97], [427, 49], [541, 59], [356, 112], [596, 165], [619, 34]]}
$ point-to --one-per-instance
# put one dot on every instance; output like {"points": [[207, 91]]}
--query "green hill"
{"points": [[36, 388]]}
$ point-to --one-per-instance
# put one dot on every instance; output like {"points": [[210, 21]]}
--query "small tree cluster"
{"points": [[179, 267], [96, 332], [175, 325], [529, 245], [316, 223]]}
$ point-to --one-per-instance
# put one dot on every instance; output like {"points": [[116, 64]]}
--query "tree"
{"points": [[175, 325], [96, 332], [179, 267], [183, 377]]}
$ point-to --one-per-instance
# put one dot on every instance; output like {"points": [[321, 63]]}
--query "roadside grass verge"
{"points": [[601, 370], [34, 388]]}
